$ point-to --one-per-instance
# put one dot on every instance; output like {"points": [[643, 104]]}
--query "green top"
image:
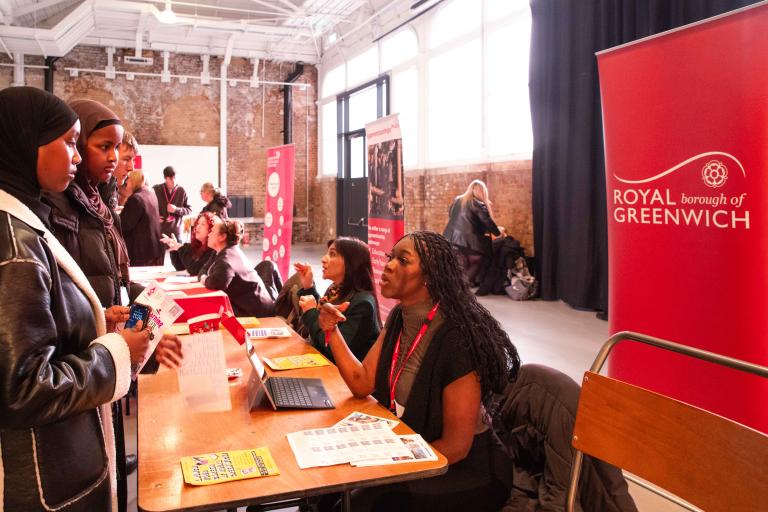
{"points": [[360, 330]]}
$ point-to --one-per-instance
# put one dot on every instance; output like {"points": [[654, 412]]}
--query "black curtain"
{"points": [[569, 203]]}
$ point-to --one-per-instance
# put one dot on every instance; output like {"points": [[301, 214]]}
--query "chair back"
{"points": [[707, 460], [710, 461]]}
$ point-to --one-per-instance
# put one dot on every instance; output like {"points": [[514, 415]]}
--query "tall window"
{"points": [[459, 81], [405, 102], [454, 107], [329, 139], [508, 119], [359, 107]]}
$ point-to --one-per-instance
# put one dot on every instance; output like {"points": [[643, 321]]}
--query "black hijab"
{"points": [[29, 118]]}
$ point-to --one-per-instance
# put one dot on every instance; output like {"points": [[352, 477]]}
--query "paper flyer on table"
{"points": [[181, 280], [268, 332], [341, 445], [420, 451], [360, 418], [215, 468], [203, 373], [163, 312], [294, 362]]}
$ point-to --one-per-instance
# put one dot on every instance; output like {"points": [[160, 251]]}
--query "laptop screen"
{"points": [[253, 357]]}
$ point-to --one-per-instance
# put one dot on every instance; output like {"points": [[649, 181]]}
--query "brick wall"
{"points": [[429, 194], [188, 114]]}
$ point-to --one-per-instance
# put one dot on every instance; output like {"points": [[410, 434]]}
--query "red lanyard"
{"points": [[394, 378], [169, 199]]}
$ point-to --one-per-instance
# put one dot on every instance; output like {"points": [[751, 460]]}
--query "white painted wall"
{"points": [[194, 166]]}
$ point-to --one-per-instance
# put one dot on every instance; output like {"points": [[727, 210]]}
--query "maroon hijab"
{"points": [[93, 116]]}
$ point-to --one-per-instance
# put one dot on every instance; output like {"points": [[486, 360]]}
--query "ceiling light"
{"points": [[167, 15]]}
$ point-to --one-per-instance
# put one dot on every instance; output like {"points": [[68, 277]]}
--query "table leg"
{"points": [[346, 502]]}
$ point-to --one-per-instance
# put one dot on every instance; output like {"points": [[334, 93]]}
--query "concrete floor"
{"points": [[550, 333]]}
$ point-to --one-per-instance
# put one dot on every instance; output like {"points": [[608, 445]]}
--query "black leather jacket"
{"points": [[231, 272], [82, 233], [467, 226], [52, 379]]}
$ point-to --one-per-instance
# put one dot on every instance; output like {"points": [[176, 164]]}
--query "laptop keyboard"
{"points": [[289, 392]]}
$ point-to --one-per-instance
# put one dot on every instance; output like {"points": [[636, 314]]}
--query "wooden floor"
{"points": [[545, 332]]}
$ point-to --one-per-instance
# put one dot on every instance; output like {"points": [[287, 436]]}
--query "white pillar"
{"points": [[18, 70], [223, 128]]}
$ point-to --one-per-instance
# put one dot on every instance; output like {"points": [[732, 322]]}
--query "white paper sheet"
{"points": [[203, 374], [341, 445], [163, 312]]}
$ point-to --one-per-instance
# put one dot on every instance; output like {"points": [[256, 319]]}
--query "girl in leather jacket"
{"points": [[61, 364]]}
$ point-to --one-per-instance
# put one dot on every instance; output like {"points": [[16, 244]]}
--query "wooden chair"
{"points": [[710, 461]]}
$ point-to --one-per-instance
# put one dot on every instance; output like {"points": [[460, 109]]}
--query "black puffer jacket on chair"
{"points": [[537, 414]]}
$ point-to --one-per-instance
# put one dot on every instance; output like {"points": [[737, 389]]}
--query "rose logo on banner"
{"points": [[714, 173]]}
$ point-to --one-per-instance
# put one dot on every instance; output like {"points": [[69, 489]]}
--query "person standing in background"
{"points": [[141, 222], [127, 152], [470, 220], [216, 202], [172, 204]]}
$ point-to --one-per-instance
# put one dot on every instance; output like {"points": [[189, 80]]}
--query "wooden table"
{"points": [[168, 432]]}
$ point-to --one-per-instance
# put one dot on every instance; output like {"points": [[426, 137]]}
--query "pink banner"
{"points": [[385, 196], [685, 117], [278, 207]]}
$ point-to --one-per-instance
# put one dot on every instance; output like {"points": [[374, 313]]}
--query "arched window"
{"points": [[455, 19], [333, 82], [363, 68], [398, 48]]}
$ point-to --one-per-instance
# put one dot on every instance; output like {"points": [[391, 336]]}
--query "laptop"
{"points": [[284, 392]]}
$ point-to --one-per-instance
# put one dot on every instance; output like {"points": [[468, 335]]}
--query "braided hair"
{"points": [[495, 357]]}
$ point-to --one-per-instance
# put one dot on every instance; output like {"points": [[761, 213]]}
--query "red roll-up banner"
{"points": [[386, 194], [685, 117], [278, 207]]}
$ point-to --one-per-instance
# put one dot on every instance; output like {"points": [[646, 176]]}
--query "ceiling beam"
{"points": [[37, 6], [271, 4]]}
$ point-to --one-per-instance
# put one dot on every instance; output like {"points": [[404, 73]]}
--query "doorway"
{"points": [[355, 109]]}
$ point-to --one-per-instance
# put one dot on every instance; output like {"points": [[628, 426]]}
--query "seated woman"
{"points": [[141, 222], [231, 272], [348, 264], [437, 364], [215, 202], [195, 257]]}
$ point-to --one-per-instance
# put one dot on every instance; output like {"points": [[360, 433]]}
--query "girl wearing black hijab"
{"points": [[60, 364], [79, 218]]}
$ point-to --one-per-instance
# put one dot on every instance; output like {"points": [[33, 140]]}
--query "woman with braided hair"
{"points": [[437, 364]]}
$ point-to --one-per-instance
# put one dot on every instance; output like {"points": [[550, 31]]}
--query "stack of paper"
{"points": [[359, 440]]}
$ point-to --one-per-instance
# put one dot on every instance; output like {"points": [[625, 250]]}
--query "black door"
{"points": [[352, 217]]}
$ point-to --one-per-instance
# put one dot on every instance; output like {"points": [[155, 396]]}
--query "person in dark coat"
{"points": [[60, 362], [470, 220], [215, 202], [231, 272], [172, 204], [195, 257], [535, 424], [141, 223], [127, 152], [348, 265], [80, 219]]}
